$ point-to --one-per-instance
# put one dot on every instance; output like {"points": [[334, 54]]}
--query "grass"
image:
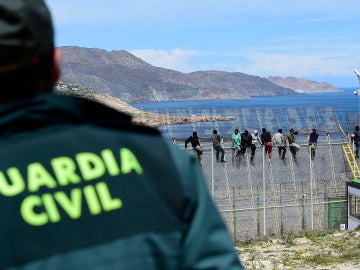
{"points": [[304, 250]]}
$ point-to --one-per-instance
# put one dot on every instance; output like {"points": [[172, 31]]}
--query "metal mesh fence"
{"points": [[324, 118], [279, 196]]}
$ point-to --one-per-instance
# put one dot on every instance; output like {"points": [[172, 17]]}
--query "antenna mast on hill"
{"points": [[357, 92]]}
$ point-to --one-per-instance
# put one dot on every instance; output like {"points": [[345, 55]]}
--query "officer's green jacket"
{"points": [[81, 187]]}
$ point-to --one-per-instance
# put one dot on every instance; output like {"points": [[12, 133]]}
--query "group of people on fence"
{"points": [[243, 141], [217, 144]]}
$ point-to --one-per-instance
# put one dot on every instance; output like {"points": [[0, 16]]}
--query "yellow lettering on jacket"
{"points": [[129, 162], [39, 177], [64, 171], [41, 210], [47, 202], [16, 183]]}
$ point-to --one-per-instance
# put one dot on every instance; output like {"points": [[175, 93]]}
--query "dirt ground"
{"points": [[337, 250]]}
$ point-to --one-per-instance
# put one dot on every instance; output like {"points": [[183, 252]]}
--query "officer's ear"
{"points": [[56, 70]]}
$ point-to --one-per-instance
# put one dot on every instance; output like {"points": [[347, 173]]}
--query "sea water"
{"points": [[328, 112]]}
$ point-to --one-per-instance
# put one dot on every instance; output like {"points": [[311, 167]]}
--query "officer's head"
{"points": [[28, 62]]}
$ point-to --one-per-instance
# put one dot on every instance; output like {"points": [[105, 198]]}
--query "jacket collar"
{"points": [[50, 109]]}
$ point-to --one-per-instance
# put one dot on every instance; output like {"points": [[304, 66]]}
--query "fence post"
{"points": [[234, 214], [212, 173], [303, 206], [281, 213], [326, 205], [258, 210], [311, 190], [264, 190]]}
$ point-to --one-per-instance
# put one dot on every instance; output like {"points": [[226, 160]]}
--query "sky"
{"points": [[311, 39]]}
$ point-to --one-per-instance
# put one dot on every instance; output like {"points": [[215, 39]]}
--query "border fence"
{"points": [[275, 197]]}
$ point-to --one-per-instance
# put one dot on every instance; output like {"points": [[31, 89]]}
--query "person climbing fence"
{"points": [[245, 142], [255, 139], [280, 141], [293, 146], [313, 136], [195, 144], [267, 142], [355, 139], [216, 140]]}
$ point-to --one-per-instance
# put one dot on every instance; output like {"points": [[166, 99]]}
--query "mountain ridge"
{"points": [[303, 86], [123, 75]]}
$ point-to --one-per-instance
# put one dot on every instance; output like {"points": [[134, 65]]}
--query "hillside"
{"points": [[138, 116], [302, 85], [124, 76]]}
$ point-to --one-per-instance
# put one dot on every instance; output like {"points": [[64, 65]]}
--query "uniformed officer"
{"points": [[80, 184]]}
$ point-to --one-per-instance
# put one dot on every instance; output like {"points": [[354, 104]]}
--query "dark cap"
{"points": [[26, 30]]}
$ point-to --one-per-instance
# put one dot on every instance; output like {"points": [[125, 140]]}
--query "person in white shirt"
{"points": [[254, 140], [279, 140]]}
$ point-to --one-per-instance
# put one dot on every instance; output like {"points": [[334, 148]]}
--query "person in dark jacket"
{"points": [[313, 137], [245, 141], [355, 139], [266, 140], [81, 186], [195, 144]]}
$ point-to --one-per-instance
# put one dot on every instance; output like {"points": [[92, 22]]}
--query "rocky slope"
{"points": [[124, 76], [139, 116], [302, 85]]}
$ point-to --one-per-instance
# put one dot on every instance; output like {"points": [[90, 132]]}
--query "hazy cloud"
{"points": [[301, 65], [175, 59]]}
